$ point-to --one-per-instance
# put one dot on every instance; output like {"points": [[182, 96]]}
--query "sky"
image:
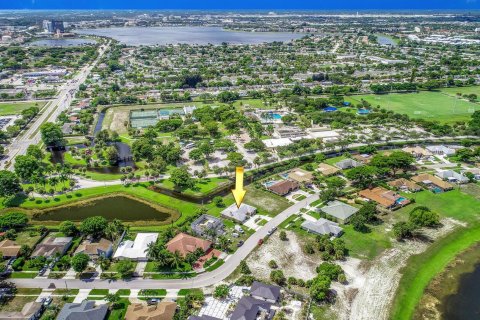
{"points": [[242, 4]]}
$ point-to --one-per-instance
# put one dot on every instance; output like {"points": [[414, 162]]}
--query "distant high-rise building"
{"points": [[53, 26]]}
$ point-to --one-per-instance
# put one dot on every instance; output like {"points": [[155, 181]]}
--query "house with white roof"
{"points": [[239, 214], [441, 150], [135, 250], [452, 176]]}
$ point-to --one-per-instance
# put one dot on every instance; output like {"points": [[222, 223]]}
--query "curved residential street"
{"points": [[203, 280]]}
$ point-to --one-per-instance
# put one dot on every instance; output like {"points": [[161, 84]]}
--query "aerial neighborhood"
{"points": [[177, 165]]}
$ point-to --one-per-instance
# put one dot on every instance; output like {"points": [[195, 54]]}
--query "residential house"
{"points": [[265, 292], [249, 308], [403, 184], [433, 183], [452, 176], [51, 246], [348, 164], [204, 317], [101, 248], [204, 225], [85, 310], [323, 226], [385, 198], [441, 150], [67, 128], [327, 170], [185, 244], [9, 248], [284, 187], [30, 311], [301, 176], [339, 210], [418, 152], [164, 310], [137, 249], [239, 214], [474, 171], [362, 158]]}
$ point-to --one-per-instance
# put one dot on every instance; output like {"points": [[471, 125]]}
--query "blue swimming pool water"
{"points": [[399, 200], [436, 190], [276, 116], [269, 183]]}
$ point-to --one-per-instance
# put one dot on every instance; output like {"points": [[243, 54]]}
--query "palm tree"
{"points": [[152, 251], [176, 259]]}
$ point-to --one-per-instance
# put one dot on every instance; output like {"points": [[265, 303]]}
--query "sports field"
{"points": [[437, 105], [9, 108]]}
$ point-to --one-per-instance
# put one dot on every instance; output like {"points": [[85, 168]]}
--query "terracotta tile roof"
{"points": [[402, 182], [426, 177], [161, 311], [382, 196], [185, 244], [284, 187], [94, 248], [300, 175], [327, 169], [9, 248]]}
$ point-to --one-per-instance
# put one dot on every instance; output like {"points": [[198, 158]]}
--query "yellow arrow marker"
{"points": [[239, 192]]}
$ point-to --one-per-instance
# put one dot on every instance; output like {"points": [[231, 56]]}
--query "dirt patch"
{"points": [[372, 285], [118, 120], [289, 256]]}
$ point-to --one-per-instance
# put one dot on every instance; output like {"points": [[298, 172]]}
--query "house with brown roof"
{"points": [[405, 185], [51, 246], [385, 198], [432, 183], [162, 311], [300, 176], [185, 244], [95, 249], [9, 248], [363, 158], [327, 170], [418, 152], [284, 187]]}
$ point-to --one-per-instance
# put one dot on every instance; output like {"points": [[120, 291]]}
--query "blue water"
{"points": [[436, 190], [276, 116], [270, 183], [400, 200]]}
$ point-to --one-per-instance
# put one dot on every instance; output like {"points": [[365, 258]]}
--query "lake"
{"points": [[136, 36], [61, 42], [116, 207], [465, 303]]}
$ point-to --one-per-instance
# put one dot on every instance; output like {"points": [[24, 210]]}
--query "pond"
{"points": [[386, 40], [116, 207], [61, 42], [136, 36]]}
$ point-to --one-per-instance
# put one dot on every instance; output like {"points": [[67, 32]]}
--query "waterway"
{"points": [[115, 207], [61, 42], [147, 36], [454, 294]]}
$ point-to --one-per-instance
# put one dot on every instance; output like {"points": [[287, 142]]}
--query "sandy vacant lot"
{"points": [[371, 285]]}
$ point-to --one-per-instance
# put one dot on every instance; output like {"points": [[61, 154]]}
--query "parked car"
{"points": [[240, 243], [151, 302], [260, 242], [271, 231], [42, 271], [47, 301]]}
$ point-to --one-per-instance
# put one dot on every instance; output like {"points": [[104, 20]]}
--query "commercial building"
{"points": [[53, 26]]}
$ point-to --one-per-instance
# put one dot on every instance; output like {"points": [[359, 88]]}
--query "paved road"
{"points": [[202, 280], [50, 113]]}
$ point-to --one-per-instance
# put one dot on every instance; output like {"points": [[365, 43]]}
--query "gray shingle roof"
{"points": [[322, 226], [339, 210], [82, 311], [248, 309], [265, 291]]}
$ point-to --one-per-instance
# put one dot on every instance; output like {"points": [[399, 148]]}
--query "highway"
{"points": [[50, 113], [203, 280]]}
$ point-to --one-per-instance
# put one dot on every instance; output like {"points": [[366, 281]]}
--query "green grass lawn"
{"points": [[98, 292], [202, 186], [427, 105], [366, 245], [462, 90], [421, 269], [8, 108], [118, 313]]}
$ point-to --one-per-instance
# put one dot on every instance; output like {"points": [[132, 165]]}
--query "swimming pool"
{"points": [[276, 116], [436, 190], [401, 199], [269, 183]]}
